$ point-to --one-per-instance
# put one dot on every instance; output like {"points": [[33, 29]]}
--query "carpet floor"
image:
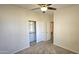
{"points": [[44, 47]]}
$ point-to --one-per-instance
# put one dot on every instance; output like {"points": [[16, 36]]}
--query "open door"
{"points": [[51, 30], [32, 32]]}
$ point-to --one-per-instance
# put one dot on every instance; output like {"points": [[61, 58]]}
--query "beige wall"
{"points": [[66, 29], [14, 28]]}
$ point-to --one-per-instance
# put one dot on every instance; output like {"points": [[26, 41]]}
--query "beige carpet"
{"points": [[43, 47]]}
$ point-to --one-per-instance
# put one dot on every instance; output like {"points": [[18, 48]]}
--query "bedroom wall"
{"points": [[66, 29], [14, 28]]}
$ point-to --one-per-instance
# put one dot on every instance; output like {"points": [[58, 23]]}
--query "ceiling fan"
{"points": [[44, 7]]}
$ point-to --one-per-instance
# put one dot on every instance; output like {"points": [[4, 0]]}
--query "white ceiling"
{"points": [[32, 6]]}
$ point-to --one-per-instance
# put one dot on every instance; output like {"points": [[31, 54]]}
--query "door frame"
{"points": [[52, 31], [35, 30]]}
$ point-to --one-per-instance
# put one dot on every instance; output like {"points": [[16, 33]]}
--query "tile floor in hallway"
{"points": [[44, 47]]}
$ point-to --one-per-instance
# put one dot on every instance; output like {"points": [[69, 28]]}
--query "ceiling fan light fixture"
{"points": [[43, 8]]}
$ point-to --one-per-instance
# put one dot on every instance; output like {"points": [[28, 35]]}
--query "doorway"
{"points": [[32, 32], [51, 31]]}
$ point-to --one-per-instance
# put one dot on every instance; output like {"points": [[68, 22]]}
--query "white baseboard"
{"points": [[66, 48], [19, 50], [4, 52]]}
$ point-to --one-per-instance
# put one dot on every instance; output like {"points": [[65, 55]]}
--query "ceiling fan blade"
{"points": [[41, 5], [49, 4], [35, 8], [51, 8], [44, 4]]}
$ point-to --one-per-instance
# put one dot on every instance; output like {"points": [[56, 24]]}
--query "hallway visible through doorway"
{"points": [[32, 32]]}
